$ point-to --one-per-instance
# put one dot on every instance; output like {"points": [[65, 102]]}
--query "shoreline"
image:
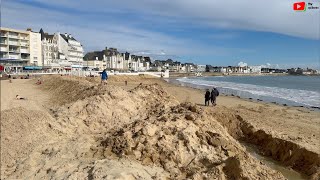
{"points": [[208, 74], [244, 95]]}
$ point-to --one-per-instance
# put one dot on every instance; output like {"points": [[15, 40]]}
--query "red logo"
{"points": [[299, 6]]}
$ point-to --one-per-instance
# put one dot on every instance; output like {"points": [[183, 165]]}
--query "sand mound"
{"points": [[65, 89], [186, 144], [112, 107], [105, 132], [122, 78]]}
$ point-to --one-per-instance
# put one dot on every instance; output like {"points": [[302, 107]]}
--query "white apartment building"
{"points": [[255, 69], [20, 48], [35, 49], [49, 49], [201, 68], [114, 61], [91, 64], [137, 63], [70, 48]]}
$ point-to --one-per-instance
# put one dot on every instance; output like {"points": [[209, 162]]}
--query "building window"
{"points": [[35, 58]]}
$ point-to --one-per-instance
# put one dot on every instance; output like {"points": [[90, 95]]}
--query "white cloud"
{"points": [[260, 15], [129, 34], [242, 64], [95, 36]]}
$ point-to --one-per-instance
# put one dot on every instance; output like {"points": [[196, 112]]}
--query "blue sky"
{"points": [[206, 31]]}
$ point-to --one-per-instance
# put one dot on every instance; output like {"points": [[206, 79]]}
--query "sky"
{"points": [[220, 33]]}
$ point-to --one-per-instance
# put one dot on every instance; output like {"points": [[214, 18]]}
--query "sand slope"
{"points": [[89, 131]]}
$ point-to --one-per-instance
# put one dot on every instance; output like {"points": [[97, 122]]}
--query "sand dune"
{"points": [[82, 130]]}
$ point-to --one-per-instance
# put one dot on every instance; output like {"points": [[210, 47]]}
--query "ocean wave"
{"points": [[305, 97]]}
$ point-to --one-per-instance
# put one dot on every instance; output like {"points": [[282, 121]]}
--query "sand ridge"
{"points": [[112, 132]]}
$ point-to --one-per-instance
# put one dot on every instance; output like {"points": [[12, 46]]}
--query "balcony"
{"points": [[4, 42], [24, 37], [25, 59], [4, 35], [4, 57], [15, 43], [14, 51], [24, 44], [24, 51], [13, 36], [14, 57], [3, 49]]}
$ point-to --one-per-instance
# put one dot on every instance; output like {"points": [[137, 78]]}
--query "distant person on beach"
{"points": [[9, 77], [20, 98], [39, 82], [207, 98], [214, 94], [104, 77]]}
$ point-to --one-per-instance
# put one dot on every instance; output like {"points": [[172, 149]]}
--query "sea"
{"points": [[286, 90]]}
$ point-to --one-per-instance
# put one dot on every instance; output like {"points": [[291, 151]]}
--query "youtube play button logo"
{"points": [[299, 6]]}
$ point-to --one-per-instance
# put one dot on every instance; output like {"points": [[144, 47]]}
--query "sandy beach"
{"points": [[74, 128]]}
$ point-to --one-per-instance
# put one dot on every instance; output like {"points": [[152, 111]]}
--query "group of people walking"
{"points": [[211, 96]]}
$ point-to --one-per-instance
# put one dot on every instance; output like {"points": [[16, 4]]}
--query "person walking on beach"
{"points": [[207, 98], [104, 77], [214, 94]]}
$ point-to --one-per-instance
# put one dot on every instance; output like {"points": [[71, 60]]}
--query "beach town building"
{"points": [[97, 65], [50, 51], [169, 64], [156, 66], [133, 63], [237, 69], [254, 69], [139, 63], [217, 69], [114, 60], [190, 67], [70, 48], [111, 59], [201, 68], [174, 66], [146, 63], [273, 70], [20, 49], [95, 60], [309, 71], [136, 63], [35, 48]]}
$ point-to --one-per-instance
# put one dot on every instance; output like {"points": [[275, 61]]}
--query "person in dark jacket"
{"points": [[214, 94], [104, 77], [207, 98]]}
